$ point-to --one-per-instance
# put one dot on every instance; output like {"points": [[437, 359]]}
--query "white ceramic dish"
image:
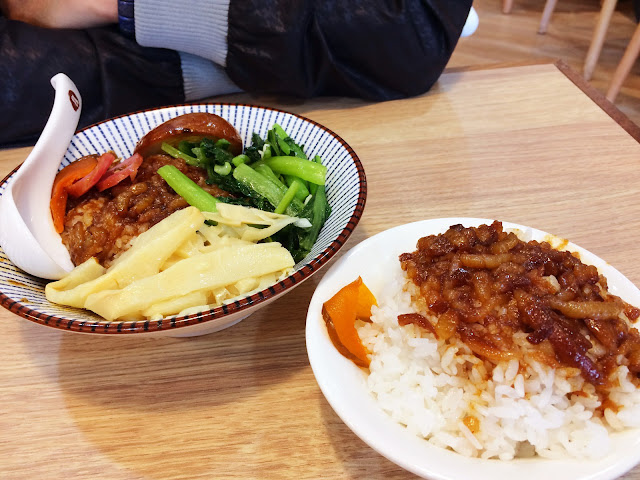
{"points": [[346, 188], [343, 383]]}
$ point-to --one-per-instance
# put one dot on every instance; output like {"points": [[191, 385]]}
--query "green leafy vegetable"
{"points": [[174, 152], [272, 174]]}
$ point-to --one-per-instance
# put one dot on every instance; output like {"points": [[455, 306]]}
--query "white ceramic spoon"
{"points": [[27, 234]]}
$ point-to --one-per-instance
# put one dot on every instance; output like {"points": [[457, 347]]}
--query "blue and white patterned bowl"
{"points": [[346, 187]]}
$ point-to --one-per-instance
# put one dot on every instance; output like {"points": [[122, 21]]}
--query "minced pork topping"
{"points": [[483, 285]]}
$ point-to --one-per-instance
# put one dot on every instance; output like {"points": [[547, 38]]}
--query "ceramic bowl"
{"points": [[344, 384], [346, 187]]}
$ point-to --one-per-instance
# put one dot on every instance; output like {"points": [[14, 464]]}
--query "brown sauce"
{"points": [[483, 285], [101, 224], [472, 423]]}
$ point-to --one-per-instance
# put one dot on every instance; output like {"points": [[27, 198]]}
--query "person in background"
{"points": [[126, 57]]}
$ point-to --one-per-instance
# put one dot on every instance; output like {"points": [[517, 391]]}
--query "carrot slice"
{"points": [[83, 185], [366, 300], [120, 171], [64, 179], [340, 312]]}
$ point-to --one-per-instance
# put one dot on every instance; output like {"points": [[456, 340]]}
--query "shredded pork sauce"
{"points": [[483, 285]]}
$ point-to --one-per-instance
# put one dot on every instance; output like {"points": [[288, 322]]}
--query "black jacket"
{"points": [[113, 74], [374, 50]]}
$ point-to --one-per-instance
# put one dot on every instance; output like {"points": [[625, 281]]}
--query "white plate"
{"points": [[343, 383]]}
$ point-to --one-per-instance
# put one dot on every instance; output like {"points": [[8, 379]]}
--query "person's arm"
{"points": [[376, 50], [114, 74], [61, 13], [372, 49]]}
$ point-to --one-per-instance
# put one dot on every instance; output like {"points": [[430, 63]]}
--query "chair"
{"points": [[599, 33], [549, 7], [606, 12], [624, 67]]}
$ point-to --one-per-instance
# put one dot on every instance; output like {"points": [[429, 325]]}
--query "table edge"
{"points": [[599, 99]]}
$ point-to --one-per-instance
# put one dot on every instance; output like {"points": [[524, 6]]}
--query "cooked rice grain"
{"points": [[522, 408]]}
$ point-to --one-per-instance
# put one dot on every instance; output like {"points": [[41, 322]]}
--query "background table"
{"points": [[521, 144]]}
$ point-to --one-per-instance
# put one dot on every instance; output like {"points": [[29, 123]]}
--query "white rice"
{"points": [[522, 409]]}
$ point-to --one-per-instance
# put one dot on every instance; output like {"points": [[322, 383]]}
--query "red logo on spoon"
{"points": [[75, 102]]}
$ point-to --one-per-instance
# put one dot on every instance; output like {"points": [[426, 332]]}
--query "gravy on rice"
{"points": [[101, 224]]}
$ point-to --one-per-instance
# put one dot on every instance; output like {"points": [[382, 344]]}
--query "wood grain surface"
{"points": [[512, 38], [520, 144]]}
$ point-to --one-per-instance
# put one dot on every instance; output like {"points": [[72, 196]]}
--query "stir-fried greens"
{"points": [[272, 174]]}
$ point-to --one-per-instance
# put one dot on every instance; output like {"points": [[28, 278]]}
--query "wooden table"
{"points": [[520, 144]]}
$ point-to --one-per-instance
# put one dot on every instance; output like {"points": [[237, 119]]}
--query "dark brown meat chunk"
{"points": [[416, 319]]}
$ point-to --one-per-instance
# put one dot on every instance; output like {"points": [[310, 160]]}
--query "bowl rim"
{"points": [[238, 305]]}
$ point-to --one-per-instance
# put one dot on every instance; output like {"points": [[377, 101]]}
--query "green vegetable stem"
{"points": [[303, 191], [267, 172], [321, 211], [223, 170], [298, 167], [188, 189], [174, 152], [287, 198], [266, 188], [285, 140]]}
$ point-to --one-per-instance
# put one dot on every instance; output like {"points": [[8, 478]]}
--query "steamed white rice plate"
{"points": [[445, 394]]}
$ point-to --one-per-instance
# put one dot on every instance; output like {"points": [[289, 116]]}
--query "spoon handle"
{"points": [[60, 127], [32, 197]]}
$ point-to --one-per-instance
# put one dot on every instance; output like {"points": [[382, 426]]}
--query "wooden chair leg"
{"points": [[507, 5], [549, 7], [608, 7], [624, 67]]}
